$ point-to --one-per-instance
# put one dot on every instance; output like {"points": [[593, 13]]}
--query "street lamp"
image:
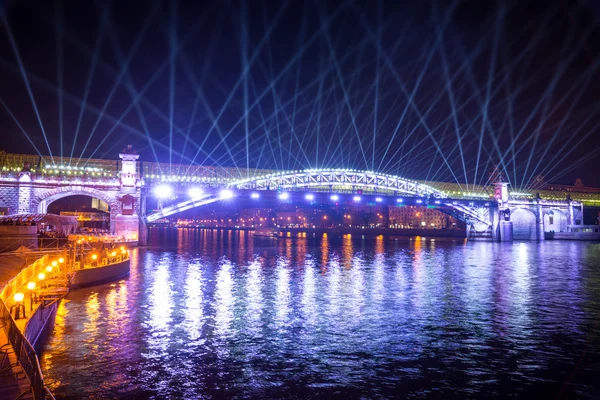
{"points": [[226, 194], [195, 192], [163, 191], [19, 307], [32, 294]]}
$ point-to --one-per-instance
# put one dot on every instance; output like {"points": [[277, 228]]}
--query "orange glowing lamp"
{"points": [[61, 260], [54, 263], [31, 285], [49, 268], [41, 276], [19, 297], [114, 253], [94, 256]]}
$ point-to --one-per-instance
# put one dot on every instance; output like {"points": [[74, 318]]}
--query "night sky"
{"points": [[427, 90]]}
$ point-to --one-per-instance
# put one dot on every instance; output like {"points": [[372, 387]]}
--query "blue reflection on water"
{"points": [[221, 314]]}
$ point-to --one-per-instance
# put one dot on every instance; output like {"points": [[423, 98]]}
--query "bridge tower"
{"points": [[128, 221], [502, 226]]}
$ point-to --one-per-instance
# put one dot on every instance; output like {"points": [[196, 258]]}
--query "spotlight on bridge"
{"points": [[437, 202], [195, 192], [226, 194], [255, 195], [284, 196], [163, 191], [419, 201], [335, 197], [399, 200], [309, 197], [378, 199], [356, 198]]}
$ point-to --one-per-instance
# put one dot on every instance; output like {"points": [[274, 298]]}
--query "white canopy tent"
{"points": [[58, 223]]}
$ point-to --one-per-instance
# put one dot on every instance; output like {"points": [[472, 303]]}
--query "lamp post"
{"points": [[32, 295], [18, 307], [48, 273]]}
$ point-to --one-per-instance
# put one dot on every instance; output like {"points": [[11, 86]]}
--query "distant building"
{"points": [[413, 217], [93, 220]]}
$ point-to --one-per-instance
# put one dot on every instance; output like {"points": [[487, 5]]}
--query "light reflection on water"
{"points": [[221, 314]]}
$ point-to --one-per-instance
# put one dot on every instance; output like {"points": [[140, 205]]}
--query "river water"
{"points": [[208, 314]]}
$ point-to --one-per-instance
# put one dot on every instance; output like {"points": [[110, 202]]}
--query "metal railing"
{"points": [[26, 355], [24, 351]]}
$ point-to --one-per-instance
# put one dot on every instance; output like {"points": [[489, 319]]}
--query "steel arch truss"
{"points": [[338, 179], [182, 206]]}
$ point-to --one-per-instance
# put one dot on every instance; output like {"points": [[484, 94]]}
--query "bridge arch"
{"points": [[524, 224], [44, 199]]}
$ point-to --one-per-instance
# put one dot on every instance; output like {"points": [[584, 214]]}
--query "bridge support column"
{"points": [[127, 221], [127, 226], [24, 193], [495, 220], [539, 221], [506, 231], [143, 233]]}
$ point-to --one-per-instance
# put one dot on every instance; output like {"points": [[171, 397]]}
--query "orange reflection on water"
{"points": [[379, 245], [92, 309], [347, 251], [324, 253]]}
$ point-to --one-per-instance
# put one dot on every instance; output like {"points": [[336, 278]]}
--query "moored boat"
{"points": [[90, 276], [109, 265]]}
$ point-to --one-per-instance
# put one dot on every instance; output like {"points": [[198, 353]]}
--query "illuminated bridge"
{"points": [[28, 184]]}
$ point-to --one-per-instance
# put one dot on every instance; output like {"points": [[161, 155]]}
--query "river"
{"points": [[208, 314]]}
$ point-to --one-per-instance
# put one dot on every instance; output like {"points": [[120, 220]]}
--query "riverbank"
{"points": [[23, 325], [339, 231], [29, 298]]}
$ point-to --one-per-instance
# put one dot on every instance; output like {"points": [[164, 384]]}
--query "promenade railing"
{"points": [[26, 355]]}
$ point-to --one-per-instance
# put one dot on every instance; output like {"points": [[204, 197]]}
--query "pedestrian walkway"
{"points": [[13, 381]]}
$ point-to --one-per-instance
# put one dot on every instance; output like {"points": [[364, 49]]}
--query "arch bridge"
{"points": [[376, 187], [31, 191]]}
